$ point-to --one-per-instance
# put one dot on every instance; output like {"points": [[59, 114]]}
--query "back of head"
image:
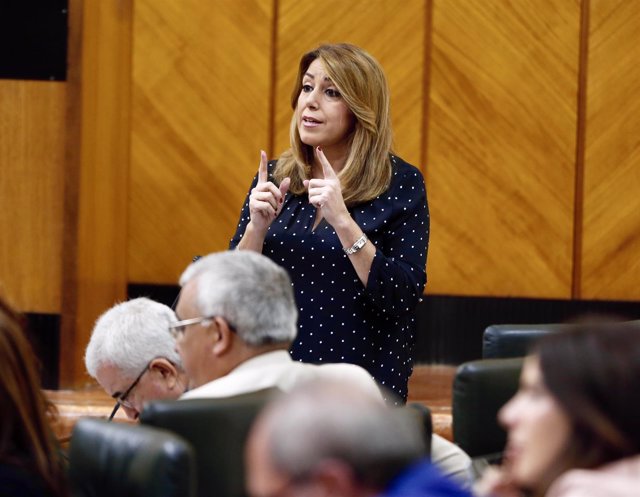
{"points": [[593, 372], [324, 420], [130, 335], [250, 291], [25, 435]]}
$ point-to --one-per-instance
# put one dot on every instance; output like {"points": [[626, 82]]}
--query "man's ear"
{"points": [[224, 336], [167, 370]]}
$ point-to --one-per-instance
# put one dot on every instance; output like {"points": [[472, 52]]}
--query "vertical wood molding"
{"points": [[271, 152], [424, 135], [581, 126], [96, 183]]}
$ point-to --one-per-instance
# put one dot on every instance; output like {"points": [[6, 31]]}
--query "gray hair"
{"points": [[130, 335], [250, 291], [322, 420]]}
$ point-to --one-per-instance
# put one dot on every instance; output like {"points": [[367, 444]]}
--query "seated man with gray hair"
{"points": [[330, 438], [132, 355], [237, 321]]}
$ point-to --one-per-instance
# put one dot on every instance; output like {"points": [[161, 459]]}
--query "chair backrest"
{"points": [[480, 389], [515, 340], [500, 341], [422, 415], [217, 429], [125, 460]]}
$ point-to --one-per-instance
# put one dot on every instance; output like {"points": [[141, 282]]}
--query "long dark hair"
{"points": [[26, 438], [594, 374]]}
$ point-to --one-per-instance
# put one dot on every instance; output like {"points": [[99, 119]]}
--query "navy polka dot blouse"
{"points": [[340, 320]]}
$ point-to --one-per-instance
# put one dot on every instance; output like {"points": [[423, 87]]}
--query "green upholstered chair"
{"points": [[515, 340], [422, 415], [501, 341], [217, 429], [480, 389], [124, 460]]}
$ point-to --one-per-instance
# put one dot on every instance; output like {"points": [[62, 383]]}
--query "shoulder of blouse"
{"points": [[399, 165]]}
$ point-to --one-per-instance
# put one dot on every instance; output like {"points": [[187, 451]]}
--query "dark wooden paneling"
{"points": [[450, 327], [33, 39]]}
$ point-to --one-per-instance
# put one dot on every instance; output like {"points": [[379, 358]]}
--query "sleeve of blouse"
{"points": [[245, 217], [398, 271]]}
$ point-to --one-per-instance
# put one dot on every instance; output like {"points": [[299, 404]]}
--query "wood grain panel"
{"points": [[611, 229], [393, 32], [501, 147], [32, 144], [200, 116]]}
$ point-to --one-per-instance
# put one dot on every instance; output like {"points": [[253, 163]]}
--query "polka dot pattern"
{"points": [[340, 320]]}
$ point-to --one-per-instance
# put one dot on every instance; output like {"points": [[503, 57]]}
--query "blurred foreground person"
{"points": [[30, 462], [574, 425], [332, 439]]}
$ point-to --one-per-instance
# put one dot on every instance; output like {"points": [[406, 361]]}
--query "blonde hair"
{"points": [[362, 83]]}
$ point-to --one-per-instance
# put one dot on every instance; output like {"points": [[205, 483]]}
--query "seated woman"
{"points": [[574, 425], [30, 464]]}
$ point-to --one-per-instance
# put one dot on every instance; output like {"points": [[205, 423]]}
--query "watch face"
{"points": [[359, 243]]}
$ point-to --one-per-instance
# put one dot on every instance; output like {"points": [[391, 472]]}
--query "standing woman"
{"points": [[347, 218], [30, 464]]}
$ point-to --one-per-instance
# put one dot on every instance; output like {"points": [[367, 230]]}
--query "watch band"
{"points": [[360, 242]]}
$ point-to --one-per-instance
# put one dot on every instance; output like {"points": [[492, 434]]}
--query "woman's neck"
{"points": [[337, 159]]}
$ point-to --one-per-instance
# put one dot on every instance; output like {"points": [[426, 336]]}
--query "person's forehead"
{"points": [[317, 69], [187, 300], [112, 379]]}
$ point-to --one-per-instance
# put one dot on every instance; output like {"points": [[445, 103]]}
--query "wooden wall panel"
{"points": [[501, 147], [96, 174], [611, 227], [200, 116], [393, 32], [32, 145]]}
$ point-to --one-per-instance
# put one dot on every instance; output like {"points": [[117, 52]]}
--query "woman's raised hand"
{"points": [[266, 199], [326, 193]]}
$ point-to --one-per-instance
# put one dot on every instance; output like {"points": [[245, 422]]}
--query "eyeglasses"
{"points": [[122, 399], [178, 328]]}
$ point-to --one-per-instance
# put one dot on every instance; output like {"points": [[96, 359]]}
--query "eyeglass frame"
{"points": [[178, 328], [121, 399]]}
